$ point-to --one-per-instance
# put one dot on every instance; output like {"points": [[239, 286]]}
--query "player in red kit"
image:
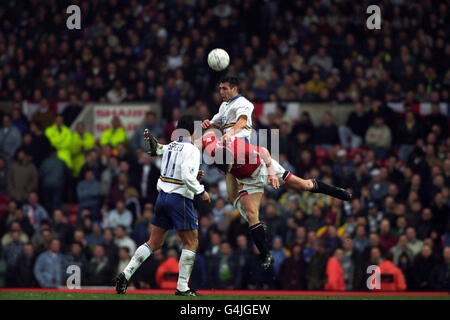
{"points": [[253, 169]]}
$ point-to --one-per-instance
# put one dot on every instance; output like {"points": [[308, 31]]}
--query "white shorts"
{"points": [[258, 180]]}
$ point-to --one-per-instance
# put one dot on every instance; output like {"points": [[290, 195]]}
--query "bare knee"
{"points": [[189, 238], [252, 216], [157, 238], [191, 244]]}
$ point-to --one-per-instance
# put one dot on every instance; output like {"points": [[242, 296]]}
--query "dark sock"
{"points": [[321, 187], [259, 238]]}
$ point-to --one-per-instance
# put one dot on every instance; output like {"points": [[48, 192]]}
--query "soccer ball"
{"points": [[218, 59]]}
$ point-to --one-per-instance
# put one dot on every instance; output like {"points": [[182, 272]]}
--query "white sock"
{"points": [[141, 254], [185, 268]]}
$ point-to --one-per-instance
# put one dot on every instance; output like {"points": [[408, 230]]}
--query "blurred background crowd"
{"points": [[70, 199]]}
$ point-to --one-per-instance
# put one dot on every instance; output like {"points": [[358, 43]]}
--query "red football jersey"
{"points": [[247, 158]]}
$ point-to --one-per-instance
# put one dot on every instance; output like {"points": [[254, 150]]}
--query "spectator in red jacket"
{"points": [[335, 272], [167, 272], [392, 278]]}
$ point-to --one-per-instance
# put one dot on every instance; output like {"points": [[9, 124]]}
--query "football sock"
{"points": [[141, 254], [259, 238], [321, 187], [186, 264]]}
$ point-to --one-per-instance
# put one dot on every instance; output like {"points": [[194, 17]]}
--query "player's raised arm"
{"points": [[215, 122], [241, 123]]}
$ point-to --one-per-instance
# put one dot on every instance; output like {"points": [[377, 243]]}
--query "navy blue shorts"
{"points": [[173, 211]]}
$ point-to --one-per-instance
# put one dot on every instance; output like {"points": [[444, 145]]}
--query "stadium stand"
{"points": [[385, 137]]}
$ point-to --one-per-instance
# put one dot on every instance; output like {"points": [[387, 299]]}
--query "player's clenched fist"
{"points": [[206, 124], [200, 175], [205, 197]]}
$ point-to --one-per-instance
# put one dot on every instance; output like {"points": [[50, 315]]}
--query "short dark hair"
{"points": [[233, 81], [121, 226], [77, 243], [282, 107], [127, 250], [186, 122], [389, 256]]}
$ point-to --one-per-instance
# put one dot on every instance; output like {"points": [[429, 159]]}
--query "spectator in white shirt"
{"points": [[123, 240], [120, 216]]}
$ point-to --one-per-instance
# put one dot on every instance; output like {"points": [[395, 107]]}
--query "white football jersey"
{"points": [[179, 168], [229, 113]]}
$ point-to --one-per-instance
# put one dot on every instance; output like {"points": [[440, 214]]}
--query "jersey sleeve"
{"points": [[189, 171], [244, 110], [217, 119]]}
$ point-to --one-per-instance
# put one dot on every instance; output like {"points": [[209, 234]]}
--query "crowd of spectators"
{"points": [[69, 199]]}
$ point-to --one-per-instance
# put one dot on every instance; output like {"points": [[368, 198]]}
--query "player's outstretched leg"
{"points": [[336, 192], [317, 186]]}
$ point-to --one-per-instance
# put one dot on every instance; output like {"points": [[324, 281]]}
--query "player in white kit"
{"points": [[234, 119], [174, 207]]}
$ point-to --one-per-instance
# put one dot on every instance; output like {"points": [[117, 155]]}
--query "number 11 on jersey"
{"points": [[173, 164]]}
